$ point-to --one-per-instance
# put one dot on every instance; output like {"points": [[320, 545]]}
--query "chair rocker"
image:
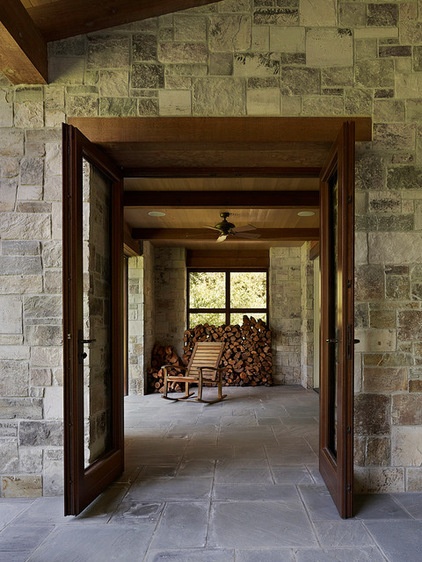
{"points": [[203, 368]]}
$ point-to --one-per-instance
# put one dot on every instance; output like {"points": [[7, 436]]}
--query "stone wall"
{"points": [[286, 314], [307, 317], [136, 336], [244, 57]]}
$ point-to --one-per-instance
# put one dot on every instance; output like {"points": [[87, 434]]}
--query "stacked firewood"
{"points": [[163, 355], [247, 354]]}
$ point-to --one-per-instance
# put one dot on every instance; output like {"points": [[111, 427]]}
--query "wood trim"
{"points": [[217, 199], [298, 234], [83, 17], [23, 49], [217, 129], [212, 259], [222, 172]]}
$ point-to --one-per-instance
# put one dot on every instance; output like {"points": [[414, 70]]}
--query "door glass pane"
{"points": [[96, 338], [335, 284], [248, 289]]}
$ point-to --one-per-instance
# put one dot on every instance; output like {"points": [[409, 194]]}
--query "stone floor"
{"points": [[230, 482]]}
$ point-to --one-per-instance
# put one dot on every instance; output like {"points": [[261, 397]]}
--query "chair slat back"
{"points": [[205, 354]]}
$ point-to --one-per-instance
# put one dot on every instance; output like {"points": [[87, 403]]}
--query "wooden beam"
{"points": [[218, 129], [232, 259], [23, 50], [186, 234], [220, 199], [223, 172], [62, 18]]}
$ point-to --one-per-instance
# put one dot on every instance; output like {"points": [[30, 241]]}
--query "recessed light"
{"points": [[156, 214], [306, 213]]}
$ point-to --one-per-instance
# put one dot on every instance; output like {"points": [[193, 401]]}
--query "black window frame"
{"points": [[227, 310]]}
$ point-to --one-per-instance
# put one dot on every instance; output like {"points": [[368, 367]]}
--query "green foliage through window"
{"points": [[224, 297]]}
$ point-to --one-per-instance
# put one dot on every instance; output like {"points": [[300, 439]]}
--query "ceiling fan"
{"points": [[226, 229]]}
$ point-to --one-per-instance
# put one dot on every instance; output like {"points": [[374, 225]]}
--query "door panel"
{"points": [[93, 331], [337, 321]]}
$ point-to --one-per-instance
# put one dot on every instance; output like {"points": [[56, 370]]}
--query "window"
{"points": [[224, 297]]}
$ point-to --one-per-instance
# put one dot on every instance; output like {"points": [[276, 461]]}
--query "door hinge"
{"points": [[348, 488]]}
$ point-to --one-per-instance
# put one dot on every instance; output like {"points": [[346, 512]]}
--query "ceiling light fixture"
{"points": [[306, 213], [156, 214]]}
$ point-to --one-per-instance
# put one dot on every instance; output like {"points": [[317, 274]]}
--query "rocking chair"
{"points": [[203, 368]]}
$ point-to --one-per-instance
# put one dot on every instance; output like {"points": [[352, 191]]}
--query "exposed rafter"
{"points": [[23, 50]]}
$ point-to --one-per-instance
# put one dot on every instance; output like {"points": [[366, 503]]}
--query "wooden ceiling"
{"points": [[263, 171], [26, 26]]}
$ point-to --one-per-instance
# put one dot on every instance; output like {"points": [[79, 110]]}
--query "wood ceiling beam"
{"points": [[217, 129], [23, 50], [223, 172], [186, 234], [61, 19], [218, 199]]}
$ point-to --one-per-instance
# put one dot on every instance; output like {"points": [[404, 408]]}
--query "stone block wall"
{"points": [[244, 57], [286, 314], [307, 317], [136, 322]]}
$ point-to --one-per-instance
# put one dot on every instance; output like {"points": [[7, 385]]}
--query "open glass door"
{"points": [[337, 321], [93, 330]]}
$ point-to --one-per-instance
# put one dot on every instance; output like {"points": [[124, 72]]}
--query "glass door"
{"points": [[337, 321], [93, 326]]}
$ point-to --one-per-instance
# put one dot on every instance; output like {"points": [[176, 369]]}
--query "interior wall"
{"points": [[230, 58]]}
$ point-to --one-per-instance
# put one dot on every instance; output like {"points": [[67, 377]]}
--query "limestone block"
{"points": [[11, 142], [175, 102], [176, 53], [260, 39], [189, 27], [379, 480], [118, 107], [386, 15], [114, 83], [25, 226], [229, 33], [358, 102], [20, 265], [253, 64], [386, 247], [53, 281], [287, 39], [372, 414], [147, 75], [406, 446], [323, 105], [370, 282], [29, 115], [414, 479], [6, 110], [30, 460], [8, 193], [15, 352], [300, 81], [21, 486], [382, 318], [276, 16], [408, 85], [20, 284], [53, 403], [410, 325], [406, 409], [41, 433], [378, 451], [318, 13], [218, 96], [377, 33], [376, 73], [53, 475], [14, 379], [9, 457], [43, 307], [352, 15], [82, 106], [375, 341], [40, 377], [329, 47], [21, 408], [108, 51], [144, 47], [385, 380], [263, 102]]}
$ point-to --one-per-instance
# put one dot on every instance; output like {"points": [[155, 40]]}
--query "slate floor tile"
{"points": [[378, 506], [411, 502], [182, 525], [191, 555], [400, 541]]}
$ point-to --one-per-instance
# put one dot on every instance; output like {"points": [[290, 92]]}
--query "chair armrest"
{"points": [[164, 367]]}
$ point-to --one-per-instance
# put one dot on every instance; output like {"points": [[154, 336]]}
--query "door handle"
{"points": [[88, 341], [356, 341], [331, 340]]}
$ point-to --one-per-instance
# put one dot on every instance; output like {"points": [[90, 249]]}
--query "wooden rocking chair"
{"points": [[203, 368]]}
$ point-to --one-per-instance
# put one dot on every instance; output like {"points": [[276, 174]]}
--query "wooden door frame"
{"points": [[83, 485], [338, 471]]}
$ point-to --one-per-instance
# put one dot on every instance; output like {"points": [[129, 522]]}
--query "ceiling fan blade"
{"points": [[211, 227], [244, 228], [221, 238], [250, 235]]}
